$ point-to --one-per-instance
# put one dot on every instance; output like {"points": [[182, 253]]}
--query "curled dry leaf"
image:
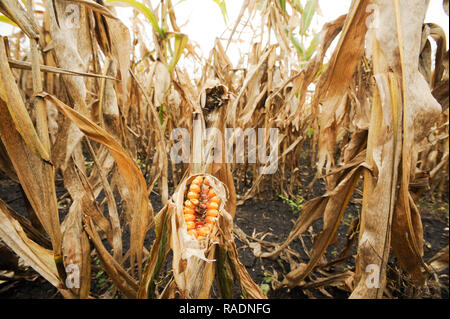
{"points": [[140, 206]]}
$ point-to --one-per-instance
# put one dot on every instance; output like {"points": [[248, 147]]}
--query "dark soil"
{"points": [[272, 217]]}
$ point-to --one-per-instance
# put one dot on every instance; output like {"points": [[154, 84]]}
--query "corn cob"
{"points": [[200, 208]]}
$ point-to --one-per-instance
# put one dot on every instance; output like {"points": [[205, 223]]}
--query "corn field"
{"points": [[127, 150]]}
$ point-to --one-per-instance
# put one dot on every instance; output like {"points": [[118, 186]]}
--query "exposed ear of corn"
{"points": [[198, 216], [193, 242], [200, 208], [198, 250]]}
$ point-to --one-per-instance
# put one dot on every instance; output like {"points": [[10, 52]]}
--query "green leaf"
{"points": [[267, 277], [312, 48], [298, 6], [296, 44], [162, 111], [102, 282], [223, 8], [265, 288], [180, 44], [307, 16], [320, 71], [161, 247], [225, 278], [310, 132], [145, 11], [283, 5]]}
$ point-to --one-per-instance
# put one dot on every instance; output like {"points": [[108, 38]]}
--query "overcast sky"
{"points": [[203, 21]]}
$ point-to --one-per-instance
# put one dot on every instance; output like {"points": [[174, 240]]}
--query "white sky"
{"points": [[203, 22]]}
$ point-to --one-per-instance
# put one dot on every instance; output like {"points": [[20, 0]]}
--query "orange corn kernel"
{"points": [[194, 188], [188, 210], [192, 195], [211, 193], [212, 205], [195, 202], [189, 217], [190, 225], [206, 182], [204, 231], [210, 220], [193, 233], [212, 212], [215, 199], [189, 204], [198, 180]]}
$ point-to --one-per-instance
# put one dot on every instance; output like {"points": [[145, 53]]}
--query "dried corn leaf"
{"points": [[5, 164], [25, 65], [124, 282], [332, 206], [10, 94], [36, 177], [97, 8], [76, 250], [249, 289], [142, 211], [439, 262], [14, 11], [335, 80], [158, 253], [380, 189], [41, 259]]}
